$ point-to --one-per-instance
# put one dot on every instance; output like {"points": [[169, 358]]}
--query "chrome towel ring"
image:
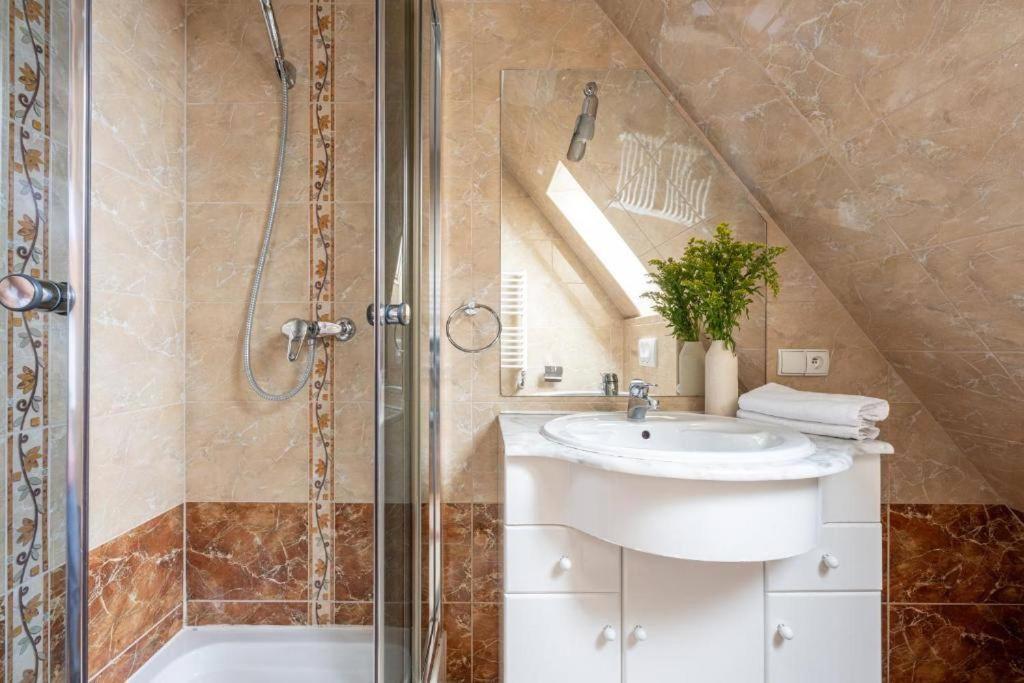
{"points": [[472, 308]]}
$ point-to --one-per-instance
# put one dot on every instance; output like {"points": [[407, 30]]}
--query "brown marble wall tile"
{"points": [[132, 659], [247, 551], [955, 554], [885, 642], [486, 642], [457, 556], [956, 644], [276, 613], [135, 580], [488, 528], [353, 552], [57, 601], [458, 625]]}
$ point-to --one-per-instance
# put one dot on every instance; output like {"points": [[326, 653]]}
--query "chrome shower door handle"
{"points": [[20, 293], [391, 314]]}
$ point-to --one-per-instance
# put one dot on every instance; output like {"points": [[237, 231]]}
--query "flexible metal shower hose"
{"points": [[261, 262]]}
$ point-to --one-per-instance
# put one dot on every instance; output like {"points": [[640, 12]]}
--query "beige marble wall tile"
{"points": [[353, 22], [981, 276], [900, 306], [232, 152], [928, 466], [968, 392], [138, 125], [821, 210], [353, 235], [354, 150], [247, 451], [229, 56], [1000, 462], [137, 468], [223, 243], [137, 237], [353, 452], [214, 370], [747, 117], [149, 34], [137, 353]]}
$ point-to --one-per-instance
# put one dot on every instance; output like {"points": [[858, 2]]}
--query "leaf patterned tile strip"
{"points": [[28, 597]]}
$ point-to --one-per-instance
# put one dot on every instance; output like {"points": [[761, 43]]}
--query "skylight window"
{"points": [[601, 237]]}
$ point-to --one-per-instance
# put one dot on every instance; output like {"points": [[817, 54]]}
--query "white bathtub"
{"points": [[263, 654]]}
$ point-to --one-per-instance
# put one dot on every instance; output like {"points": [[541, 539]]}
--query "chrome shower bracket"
{"points": [[286, 71]]}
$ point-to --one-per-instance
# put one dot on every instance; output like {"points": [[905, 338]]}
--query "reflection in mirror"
{"points": [[579, 229]]}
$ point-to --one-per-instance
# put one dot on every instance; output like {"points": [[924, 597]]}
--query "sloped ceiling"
{"points": [[887, 140]]}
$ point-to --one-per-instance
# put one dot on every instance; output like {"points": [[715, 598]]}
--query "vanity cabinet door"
{"points": [[567, 638], [693, 622], [815, 637]]}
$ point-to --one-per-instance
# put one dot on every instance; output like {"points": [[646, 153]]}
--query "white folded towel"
{"points": [[861, 433], [808, 406]]}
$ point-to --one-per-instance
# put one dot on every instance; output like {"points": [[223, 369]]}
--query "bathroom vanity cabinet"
{"points": [[581, 609]]}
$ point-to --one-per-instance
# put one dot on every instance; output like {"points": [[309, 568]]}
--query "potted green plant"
{"points": [[677, 304], [719, 278]]}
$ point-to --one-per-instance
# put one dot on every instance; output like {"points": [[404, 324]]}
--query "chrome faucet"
{"points": [[639, 401], [299, 332]]}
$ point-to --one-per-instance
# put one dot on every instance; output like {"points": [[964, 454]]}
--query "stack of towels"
{"points": [[836, 415]]}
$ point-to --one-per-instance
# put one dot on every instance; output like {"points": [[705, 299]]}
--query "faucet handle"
{"points": [[297, 331], [640, 388]]}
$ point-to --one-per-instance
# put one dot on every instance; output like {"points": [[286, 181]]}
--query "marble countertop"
{"points": [[521, 437]]}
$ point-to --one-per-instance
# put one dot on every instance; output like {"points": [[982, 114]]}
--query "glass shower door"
{"points": [[397, 314], [42, 337]]}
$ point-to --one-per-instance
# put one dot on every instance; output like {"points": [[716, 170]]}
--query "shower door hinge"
{"points": [[391, 314]]}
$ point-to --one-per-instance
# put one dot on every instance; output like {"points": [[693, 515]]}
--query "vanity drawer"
{"points": [[557, 559], [853, 495], [854, 549]]}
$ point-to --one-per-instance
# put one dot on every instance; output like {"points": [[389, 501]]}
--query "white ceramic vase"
{"points": [[721, 381], [690, 369]]}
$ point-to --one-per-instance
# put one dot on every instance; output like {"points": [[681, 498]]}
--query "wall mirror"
{"points": [[582, 218]]}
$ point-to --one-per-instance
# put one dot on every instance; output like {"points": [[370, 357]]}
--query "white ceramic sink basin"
{"points": [[679, 437]]}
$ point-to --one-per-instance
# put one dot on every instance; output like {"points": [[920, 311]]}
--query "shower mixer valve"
{"points": [[300, 331]]}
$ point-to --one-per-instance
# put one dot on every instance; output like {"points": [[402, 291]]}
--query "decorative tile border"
{"points": [[321, 269], [28, 587]]}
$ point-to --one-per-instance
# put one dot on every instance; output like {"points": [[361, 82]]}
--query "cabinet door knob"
{"points": [[564, 563], [786, 632], [609, 633], [640, 633], [830, 560]]}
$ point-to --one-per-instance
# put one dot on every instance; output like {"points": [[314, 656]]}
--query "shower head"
{"points": [[585, 124], [285, 70]]}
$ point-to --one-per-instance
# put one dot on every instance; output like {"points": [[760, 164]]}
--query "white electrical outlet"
{"points": [[803, 362], [817, 362]]}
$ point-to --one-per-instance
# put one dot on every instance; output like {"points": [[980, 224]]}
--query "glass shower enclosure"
{"points": [[44, 196]]}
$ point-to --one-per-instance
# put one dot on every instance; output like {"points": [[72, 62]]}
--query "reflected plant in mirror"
{"points": [[580, 231]]}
